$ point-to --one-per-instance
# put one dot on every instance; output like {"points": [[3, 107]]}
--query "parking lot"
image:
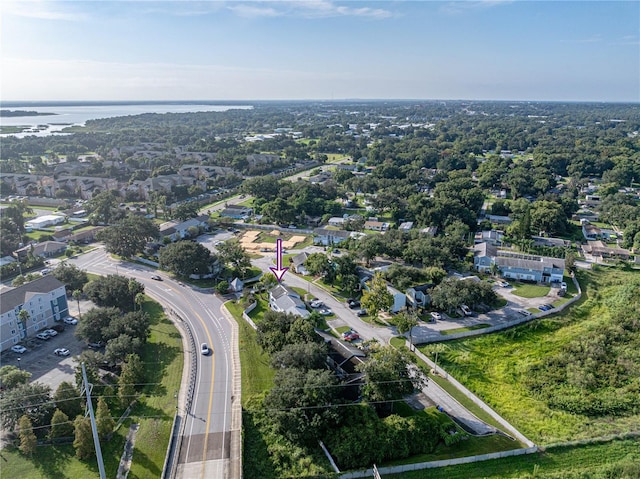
{"points": [[39, 359]]}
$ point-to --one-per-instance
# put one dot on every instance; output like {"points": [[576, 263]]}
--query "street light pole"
{"points": [[19, 367]]}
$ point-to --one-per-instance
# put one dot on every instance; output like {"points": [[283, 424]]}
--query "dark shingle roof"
{"points": [[15, 297]]}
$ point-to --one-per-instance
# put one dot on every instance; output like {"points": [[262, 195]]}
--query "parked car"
{"points": [[325, 312], [466, 310], [204, 349], [51, 332], [524, 312], [361, 312], [42, 336], [18, 349], [96, 345], [316, 303], [58, 327], [70, 320], [353, 303], [61, 352], [352, 336], [435, 315], [563, 285], [503, 284], [156, 277]]}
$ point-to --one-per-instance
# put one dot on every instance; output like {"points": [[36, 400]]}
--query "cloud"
{"points": [[42, 9], [305, 9], [454, 8]]}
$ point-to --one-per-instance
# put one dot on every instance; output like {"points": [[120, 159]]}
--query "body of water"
{"points": [[65, 116]]}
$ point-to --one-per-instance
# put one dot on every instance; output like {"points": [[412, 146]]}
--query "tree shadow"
{"points": [[257, 461], [162, 356]]}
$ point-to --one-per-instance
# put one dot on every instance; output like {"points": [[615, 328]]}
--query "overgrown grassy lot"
{"points": [[617, 459], [565, 377], [525, 290], [162, 357]]}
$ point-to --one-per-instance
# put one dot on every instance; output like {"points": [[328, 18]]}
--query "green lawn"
{"points": [[525, 290], [616, 459], [163, 360], [465, 329]]}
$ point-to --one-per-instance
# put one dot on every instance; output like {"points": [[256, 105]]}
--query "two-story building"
{"points": [[518, 266], [285, 300], [46, 301]]}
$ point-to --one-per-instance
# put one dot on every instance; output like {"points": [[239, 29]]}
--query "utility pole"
{"points": [[94, 428]]}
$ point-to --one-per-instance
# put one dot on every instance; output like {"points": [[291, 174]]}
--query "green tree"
{"points": [[73, 277], [132, 374], [302, 403], [104, 421], [11, 376], [387, 378], [83, 442], [122, 345], [303, 356], [77, 296], [67, 399], [103, 207], [60, 425], [23, 317], [405, 322], [233, 254], [377, 298], [129, 236], [222, 287], [95, 322], [28, 440], [186, 258], [32, 399], [114, 291], [186, 210]]}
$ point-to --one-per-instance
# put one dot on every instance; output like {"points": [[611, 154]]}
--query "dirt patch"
{"points": [[250, 241]]}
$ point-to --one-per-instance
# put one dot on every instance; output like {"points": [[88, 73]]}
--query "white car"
{"points": [[436, 315], [316, 303], [18, 349], [61, 352], [563, 285], [50, 332], [43, 336], [326, 312], [504, 284], [204, 349], [70, 320]]}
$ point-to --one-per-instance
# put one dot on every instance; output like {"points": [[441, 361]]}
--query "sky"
{"points": [[319, 49]]}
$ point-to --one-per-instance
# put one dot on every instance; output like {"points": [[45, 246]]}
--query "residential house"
{"points": [[343, 359], [179, 230], [336, 221], [399, 299], [599, 250], [46, 249], [550, 242], [376, 225], [44, 298], [493, 236], [237, 212], [236, 285], [61, 235], [591, 232], [328, 237], [501, 220], [261, 158], [518, 266], [406, 226], [85, 237], [285, 300], [297, 263], [429, 231], [418, 296]]}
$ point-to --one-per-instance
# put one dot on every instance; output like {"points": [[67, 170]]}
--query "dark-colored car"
{"points": [[156, 277], [353, 303]]}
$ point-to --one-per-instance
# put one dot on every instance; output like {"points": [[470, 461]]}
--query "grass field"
{"points": [[616, 459], [495, 366], [530, 290], [446, 332], [163, 359]]}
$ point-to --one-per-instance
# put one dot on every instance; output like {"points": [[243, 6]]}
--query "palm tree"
{"points": [[77, 294], [23, 316], [494, 269]]}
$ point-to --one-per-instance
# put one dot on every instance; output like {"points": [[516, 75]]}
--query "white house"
{"points": [[44, 221], [285, 300]]}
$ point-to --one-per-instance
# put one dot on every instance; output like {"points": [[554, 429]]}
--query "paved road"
{"points": [[205, 447]]}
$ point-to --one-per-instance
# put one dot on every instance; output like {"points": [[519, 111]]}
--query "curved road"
{"points": [[209, 430]]}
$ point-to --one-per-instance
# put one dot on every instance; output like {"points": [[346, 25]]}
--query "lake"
{"points": [[79, 114]]}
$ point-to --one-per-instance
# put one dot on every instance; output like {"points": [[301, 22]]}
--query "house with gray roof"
{"points": [[518, 266], [44, 298], [46, 249], [285, 300], [329, 237]]}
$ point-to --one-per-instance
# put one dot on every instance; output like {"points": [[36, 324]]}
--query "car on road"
{"points": [[436, 315], [204, 349], [156, 277], [316, 303], [61, 352], [70, 320], [43, 336], [18, 349]]}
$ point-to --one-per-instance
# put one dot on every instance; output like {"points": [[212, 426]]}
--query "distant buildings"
{"points": [[518, 266]]}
